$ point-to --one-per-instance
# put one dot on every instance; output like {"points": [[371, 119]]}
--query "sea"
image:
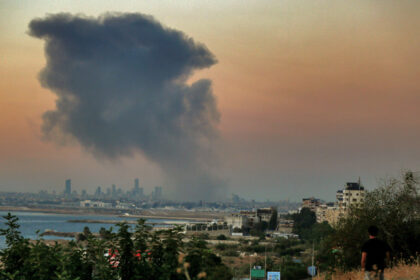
{"points": [[33, 222]]}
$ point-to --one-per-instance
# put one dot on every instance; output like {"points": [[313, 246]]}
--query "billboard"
{"points": [[273, 275]]}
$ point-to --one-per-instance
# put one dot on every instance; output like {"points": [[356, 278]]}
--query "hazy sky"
{"points": [[311, 94]]}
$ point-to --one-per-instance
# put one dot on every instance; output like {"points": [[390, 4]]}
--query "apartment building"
{"points": [[353, 194]]}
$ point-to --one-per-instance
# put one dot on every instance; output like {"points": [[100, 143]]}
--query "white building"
{"points": [[328, 213], [249, 218], [95, 204], [352, 195], [236, 221]]}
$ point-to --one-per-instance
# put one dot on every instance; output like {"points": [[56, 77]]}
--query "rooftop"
{"points": [[354, 187]]}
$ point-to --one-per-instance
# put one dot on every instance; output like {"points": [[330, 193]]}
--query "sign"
{"points": [[273, 275], [257, 273], [312, 270]]}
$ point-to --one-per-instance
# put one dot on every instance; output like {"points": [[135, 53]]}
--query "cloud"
{"points": [[121, 86]]}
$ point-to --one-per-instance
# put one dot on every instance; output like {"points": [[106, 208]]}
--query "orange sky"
{"points": [[312, 94]]}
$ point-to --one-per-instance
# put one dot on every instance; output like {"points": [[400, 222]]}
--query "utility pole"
{"points": [[250, 267], [265, 261], [313, 248]]}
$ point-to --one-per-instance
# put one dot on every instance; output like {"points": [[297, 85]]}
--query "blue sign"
{"points": [[273, 275], [312, 270]]}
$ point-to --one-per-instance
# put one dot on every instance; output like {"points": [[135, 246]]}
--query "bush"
{"points": [[127, 255], [221, 237], [394, 209], [231, 253], [221, 246], [255, 249]]}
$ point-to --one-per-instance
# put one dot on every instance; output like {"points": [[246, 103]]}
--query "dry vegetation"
{"points": [[400, 272]]}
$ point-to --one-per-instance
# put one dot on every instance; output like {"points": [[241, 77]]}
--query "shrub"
{"points": [[221, 237]]}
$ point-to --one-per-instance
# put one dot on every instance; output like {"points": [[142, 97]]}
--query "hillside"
{"points": [[400, 272]]}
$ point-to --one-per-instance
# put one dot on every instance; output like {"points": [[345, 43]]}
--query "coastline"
{"points": [[145, 214]]}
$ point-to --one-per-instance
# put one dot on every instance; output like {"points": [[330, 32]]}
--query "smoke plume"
{"points": [[121, 86]]}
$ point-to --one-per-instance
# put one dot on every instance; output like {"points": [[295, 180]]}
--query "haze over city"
{"points": [[274, 99]]}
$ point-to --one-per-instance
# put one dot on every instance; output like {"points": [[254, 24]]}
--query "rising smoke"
{"points": [[121, 86]]}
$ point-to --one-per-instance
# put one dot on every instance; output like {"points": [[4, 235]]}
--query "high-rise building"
{"points": [[114, 190], [67, 190], [98, 191], [137, 191], [353, 194], [157, 193]]}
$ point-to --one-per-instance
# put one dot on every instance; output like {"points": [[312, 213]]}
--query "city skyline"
{"points": [[311, 95]]}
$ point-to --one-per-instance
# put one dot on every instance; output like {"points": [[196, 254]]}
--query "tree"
{"points": [[318, 231], [394, 208], [272, 225], [201, 259], [259, 229], [127, 255], [14, 256], [221, 237], [126, 252], [303, 221]]}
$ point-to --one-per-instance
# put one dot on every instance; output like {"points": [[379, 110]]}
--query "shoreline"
{"points": [[133, 222], [144, 214]]}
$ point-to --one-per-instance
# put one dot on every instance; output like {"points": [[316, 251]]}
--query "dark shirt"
{"points": [[376, 253]]}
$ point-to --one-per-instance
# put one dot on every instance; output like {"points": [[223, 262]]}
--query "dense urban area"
{"points": [[243, 239]]}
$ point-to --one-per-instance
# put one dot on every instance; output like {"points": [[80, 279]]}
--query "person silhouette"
{"points": [[374, 253]]}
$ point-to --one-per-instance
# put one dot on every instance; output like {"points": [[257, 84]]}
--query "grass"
{"points": [[399, 272]]}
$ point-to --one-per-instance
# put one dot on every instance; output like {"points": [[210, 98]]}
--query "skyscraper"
{"points": [[67, 190], [157, 193], [137, 191], [114, 190], [98, 192]]}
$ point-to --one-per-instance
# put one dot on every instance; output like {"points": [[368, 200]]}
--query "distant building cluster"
{"points": [[243, 216], [352, 195], [249, 218], [133, 200], [241, 222], [113, 192]]}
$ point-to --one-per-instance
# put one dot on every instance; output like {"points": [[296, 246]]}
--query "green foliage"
{"points": [[11, 233], [287, 247], [319, 231], [259, 229], [127, 255], [76, 263], [230, 250], [394, 208], [126, 251], [202, 259], [292, 271], [221, 237], [254, 249], [303, 222], [106, 234], [13, 257], [237, 230], [231, 253], [272, 224]]}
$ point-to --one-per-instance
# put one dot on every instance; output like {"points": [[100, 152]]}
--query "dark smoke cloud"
{"points": [[121, 85]]}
